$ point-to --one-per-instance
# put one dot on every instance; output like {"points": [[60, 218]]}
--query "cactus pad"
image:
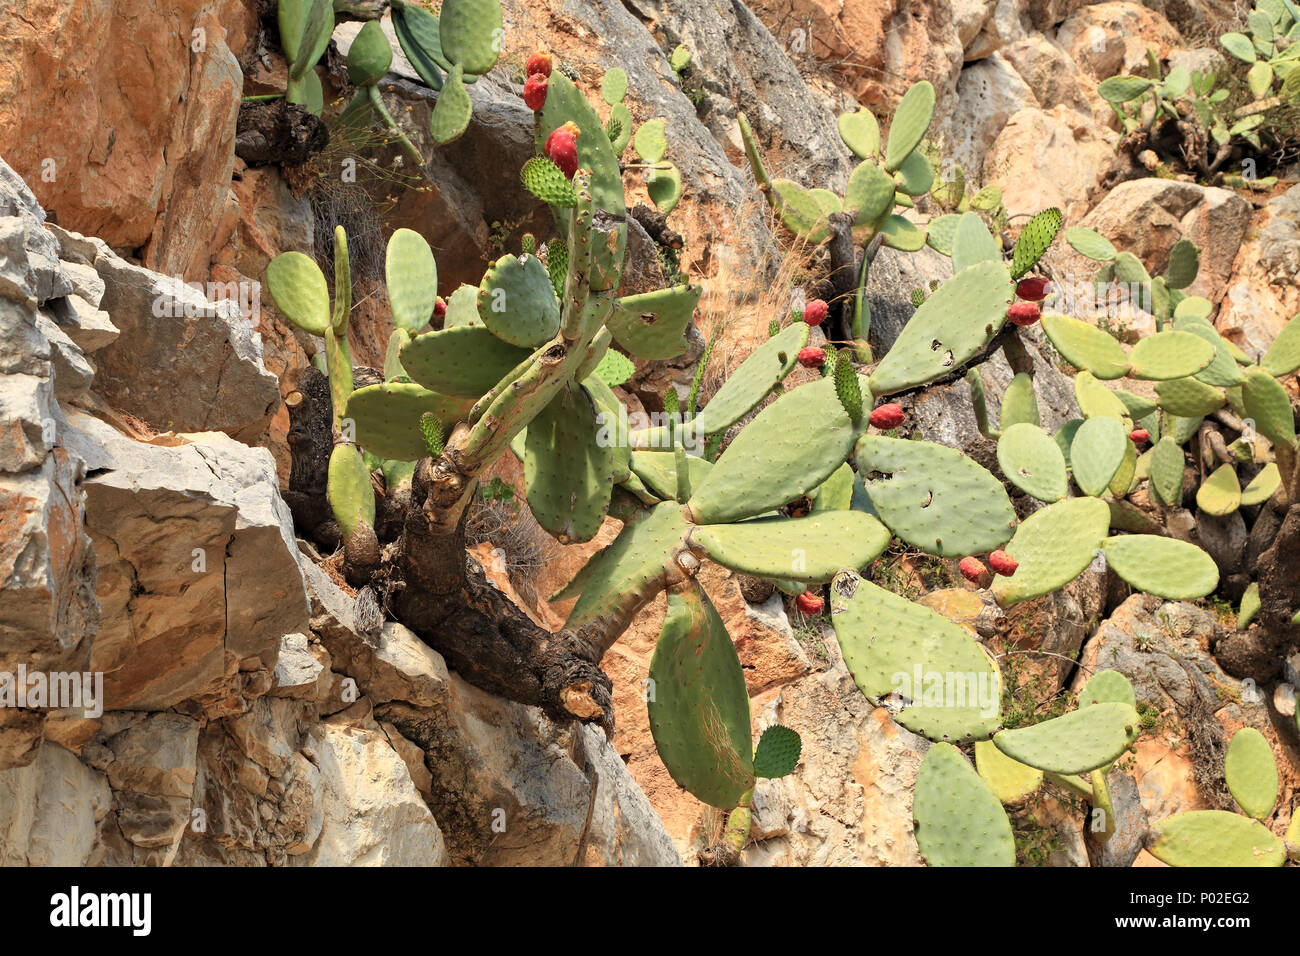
{"points": [[1010, 780], [453, 111], [547, 182], [418, 32], [412, 278], [471, 34], [464, 361], [1019, 402], [764, 369], [1220, 493], [1077, 742], [1283, 356], [1250, 771], [658, 469], [1091, 244], [1095, 398], [387, 417], [869, 195], [941, 232], [790, 448], [566, 103], [1214, 838], [1167, 471], [299, 289], [1224, 370], [351, 496], [972, 243], [812, 549], [959, 820], [1085, 346], [1107, 687], [699, 707], [1166, 567], [1184, 263], [568, 475], [861, 133], [1170, 354], [1188, 398], [652, 325], [934, 497], [959, 319], [619, 579], [777, 753], [886, 638], [370, 56], [1267, 403], [1097, 452], [1262, 486], [916, 175], [1053, 546], [1033, 241], [517, 302], [1033, 462], [911, 120]]}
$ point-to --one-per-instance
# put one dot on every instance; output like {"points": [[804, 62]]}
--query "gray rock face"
{"points": [[1131, 825]]}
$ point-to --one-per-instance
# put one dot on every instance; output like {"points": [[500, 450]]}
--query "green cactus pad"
{"points": [[453, 111], [1224, 370], [1019, 402], [1097, 452], [959, 820], [387, 417], [412, 278], [907, 128], [916, 175], [547, 182], [902, 234], [1033, 241], [1129, 270], [568, 475], [664, 187], [861, 133], [462, 308], [972, 243], [471, 34], [393, 357], [1107, 687], [869, 195], [464, 361], [941, 232], [836, 492], [1085, 346], [300, 292], [420, 37], [1267, 403], [370, 56], [1250, 606], [1165, 567], [812, 549], [790, 448], [1220, 493], [1033, 462], [764, 369], [652, 325], [566, 103], [1167, 471], [1170, 354], [1010, 780], [621, 115], [650, 141], [934, 497], [1096, 399], [610, 411], [1077, 742], [1250, 771], [777, 753], [1184, 263], [1137, 406], [1053, 546], [699, 707], [1214, 838], [621, 578], [800, 211], [962, 316], [1262, 486], [317, 19], [517, 302], [658, 469], [1091, 244], [351, 496], [1124, 479], [614, 368], [613, 85], [885, 637], [1283, 356]]}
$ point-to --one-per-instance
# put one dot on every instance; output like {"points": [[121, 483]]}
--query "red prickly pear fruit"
{"points": [[562, 148], [973, 570], [1003, 563], [814, 313], [539, 64], [812, 357], [1139, 435], [1023, 313], [439, 308], [809, 603], [885, 417], [535, 91], [1032, 288]]}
